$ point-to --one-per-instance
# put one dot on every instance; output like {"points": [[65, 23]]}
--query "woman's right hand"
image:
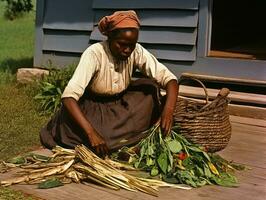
{"points": [[98, 143]]}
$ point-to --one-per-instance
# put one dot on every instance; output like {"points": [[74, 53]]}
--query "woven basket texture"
{"points": [[205, 124]]}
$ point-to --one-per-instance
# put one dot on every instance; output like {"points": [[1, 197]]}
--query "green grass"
{"points": [[16, 41], [9, 194], [20, 123]]}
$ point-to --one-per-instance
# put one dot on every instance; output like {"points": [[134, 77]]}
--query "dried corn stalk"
{"points": [[82, 165]]}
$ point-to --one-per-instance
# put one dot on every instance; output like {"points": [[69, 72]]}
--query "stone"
{"points": [[28, 75]]}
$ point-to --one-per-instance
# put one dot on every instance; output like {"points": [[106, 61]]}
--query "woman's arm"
{"points": [[150, 66], [96, 140], [169, 107]]}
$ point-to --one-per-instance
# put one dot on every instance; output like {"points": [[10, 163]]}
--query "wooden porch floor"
{"points": [[247, 146]]}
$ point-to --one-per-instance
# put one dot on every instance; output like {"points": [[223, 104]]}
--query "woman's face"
{"points": [[123, 43]]}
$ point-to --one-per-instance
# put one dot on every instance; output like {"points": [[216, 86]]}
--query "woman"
{"points": [[102, 107]]}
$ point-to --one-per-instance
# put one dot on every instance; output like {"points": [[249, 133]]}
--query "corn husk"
{"points": [[37, 175], [83, 166]]}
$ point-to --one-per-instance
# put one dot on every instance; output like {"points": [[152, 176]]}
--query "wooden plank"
{"points": [[247, 145], [69, 192], [65, 19], [256, 131], [248, 186], [238, 110], [66, 41], [257, 173], [139, 4], [242, 97], [224, 79], [159, 35], [247, 111], [228, 54], [248, 121], [156, 17]]}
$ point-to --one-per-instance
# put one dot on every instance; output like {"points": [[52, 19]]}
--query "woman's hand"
{"points": [[98, 143], [167, 120], [169, 107]]}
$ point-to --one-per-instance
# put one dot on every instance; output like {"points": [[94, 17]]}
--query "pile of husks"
{"points": [[176, 160], [81, 166]]}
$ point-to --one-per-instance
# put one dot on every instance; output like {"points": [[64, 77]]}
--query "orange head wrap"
{"points": [[119, 19]]}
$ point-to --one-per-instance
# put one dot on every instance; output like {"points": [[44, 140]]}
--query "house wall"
{"points": [[176, 32]]}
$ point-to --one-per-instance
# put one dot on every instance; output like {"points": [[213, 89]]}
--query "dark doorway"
{"points": [[239, 29]]}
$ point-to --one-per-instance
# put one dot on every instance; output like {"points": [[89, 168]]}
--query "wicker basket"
{"points": [[206, 124]]}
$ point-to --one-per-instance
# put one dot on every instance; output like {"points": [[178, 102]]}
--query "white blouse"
{"points": [[104, 75]]}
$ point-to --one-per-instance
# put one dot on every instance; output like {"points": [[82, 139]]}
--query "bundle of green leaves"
{"points": [[176, 160], [50, 89]]}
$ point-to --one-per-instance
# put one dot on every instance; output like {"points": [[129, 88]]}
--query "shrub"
{"points": [[51, 87], [16, 8]]}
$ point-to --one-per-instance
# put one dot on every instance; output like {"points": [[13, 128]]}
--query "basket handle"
{"points": [[223, 93], [197, 80]]}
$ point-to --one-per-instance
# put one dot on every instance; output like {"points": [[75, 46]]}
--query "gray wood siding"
{"points": [[168, 30], [177, 32], [159, 35], [66, 41], [68, 15], [62, 28], [173, 52], [59, 59], [140, 4], [157, 17]]}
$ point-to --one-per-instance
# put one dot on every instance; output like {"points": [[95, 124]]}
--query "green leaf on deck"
{"points": [[50, 183], [226, 180], [17, 160]]}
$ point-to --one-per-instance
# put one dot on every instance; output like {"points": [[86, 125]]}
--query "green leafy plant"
{"points": [[50, 183], [51, 88], [176, 160], [16, 8]]}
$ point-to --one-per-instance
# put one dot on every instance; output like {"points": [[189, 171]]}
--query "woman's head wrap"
{"points": [[118, 20]]}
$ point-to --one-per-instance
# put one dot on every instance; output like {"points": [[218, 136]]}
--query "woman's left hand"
{"points": [[167, 120], [169, 107]]}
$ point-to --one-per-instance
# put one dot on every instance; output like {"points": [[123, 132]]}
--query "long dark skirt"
{"points": [[121, 120]]}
